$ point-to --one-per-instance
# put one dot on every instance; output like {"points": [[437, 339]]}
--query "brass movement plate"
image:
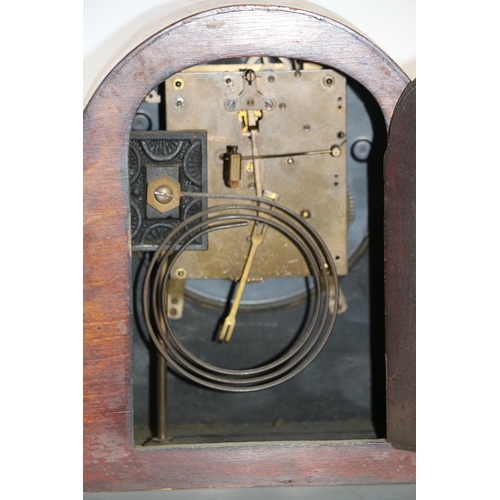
{"points": [[305, 112]]}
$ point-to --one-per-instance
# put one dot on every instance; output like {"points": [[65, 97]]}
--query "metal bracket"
{"points": [[250, 98], [175, 293]]}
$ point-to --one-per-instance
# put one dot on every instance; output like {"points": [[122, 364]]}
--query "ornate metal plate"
{"points": [[178, 155]]}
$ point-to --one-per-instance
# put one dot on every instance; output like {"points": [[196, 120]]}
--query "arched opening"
{"points": [[305, 108]]}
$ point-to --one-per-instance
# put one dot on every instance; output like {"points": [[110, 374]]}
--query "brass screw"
{"points": [[249, 167], [180, 272], [164, 194], [305, 214], [290, 161], [250, 102], [336, 151]]}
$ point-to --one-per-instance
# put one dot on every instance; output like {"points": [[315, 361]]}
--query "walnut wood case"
{"points": [[111, 460]]}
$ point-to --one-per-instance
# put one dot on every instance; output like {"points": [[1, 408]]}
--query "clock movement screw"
{"points": [[179, 84], [269, 105], [180, 272], [336, 151], [328, 81]]}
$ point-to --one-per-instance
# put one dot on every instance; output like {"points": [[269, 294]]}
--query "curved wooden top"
{"points": [[173, 15]]}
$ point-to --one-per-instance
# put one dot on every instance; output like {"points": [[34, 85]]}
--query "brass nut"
{"points": [[164, 194]]}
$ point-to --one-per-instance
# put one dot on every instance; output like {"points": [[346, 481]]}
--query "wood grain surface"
{"points": [[400, 287], [111, 463]]}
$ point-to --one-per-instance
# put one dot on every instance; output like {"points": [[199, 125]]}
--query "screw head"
{"points": [[290, 161], [282, 105], [328, 81], [268, 105], [164, 194], [306, 128], [251, 186], [305, 214], [270, 79], [180, 272], [179, 103], [249, 76], [228, 81], [179, 84], [249, 167], [250, 102], [336, 151], [230, 105]]}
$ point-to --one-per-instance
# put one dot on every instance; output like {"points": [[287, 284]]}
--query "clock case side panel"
{"points": [[400, 276]]}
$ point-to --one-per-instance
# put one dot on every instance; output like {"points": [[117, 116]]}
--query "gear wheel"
{"points": [[350, 208]]}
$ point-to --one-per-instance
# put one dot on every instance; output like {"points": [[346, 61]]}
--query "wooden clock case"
{"points": [[186, 38]]}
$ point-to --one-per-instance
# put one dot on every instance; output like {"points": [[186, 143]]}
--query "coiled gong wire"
{"points": [[313, 336]]}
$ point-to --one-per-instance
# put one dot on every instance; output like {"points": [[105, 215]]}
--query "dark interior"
{"points": [[341, 395]]}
